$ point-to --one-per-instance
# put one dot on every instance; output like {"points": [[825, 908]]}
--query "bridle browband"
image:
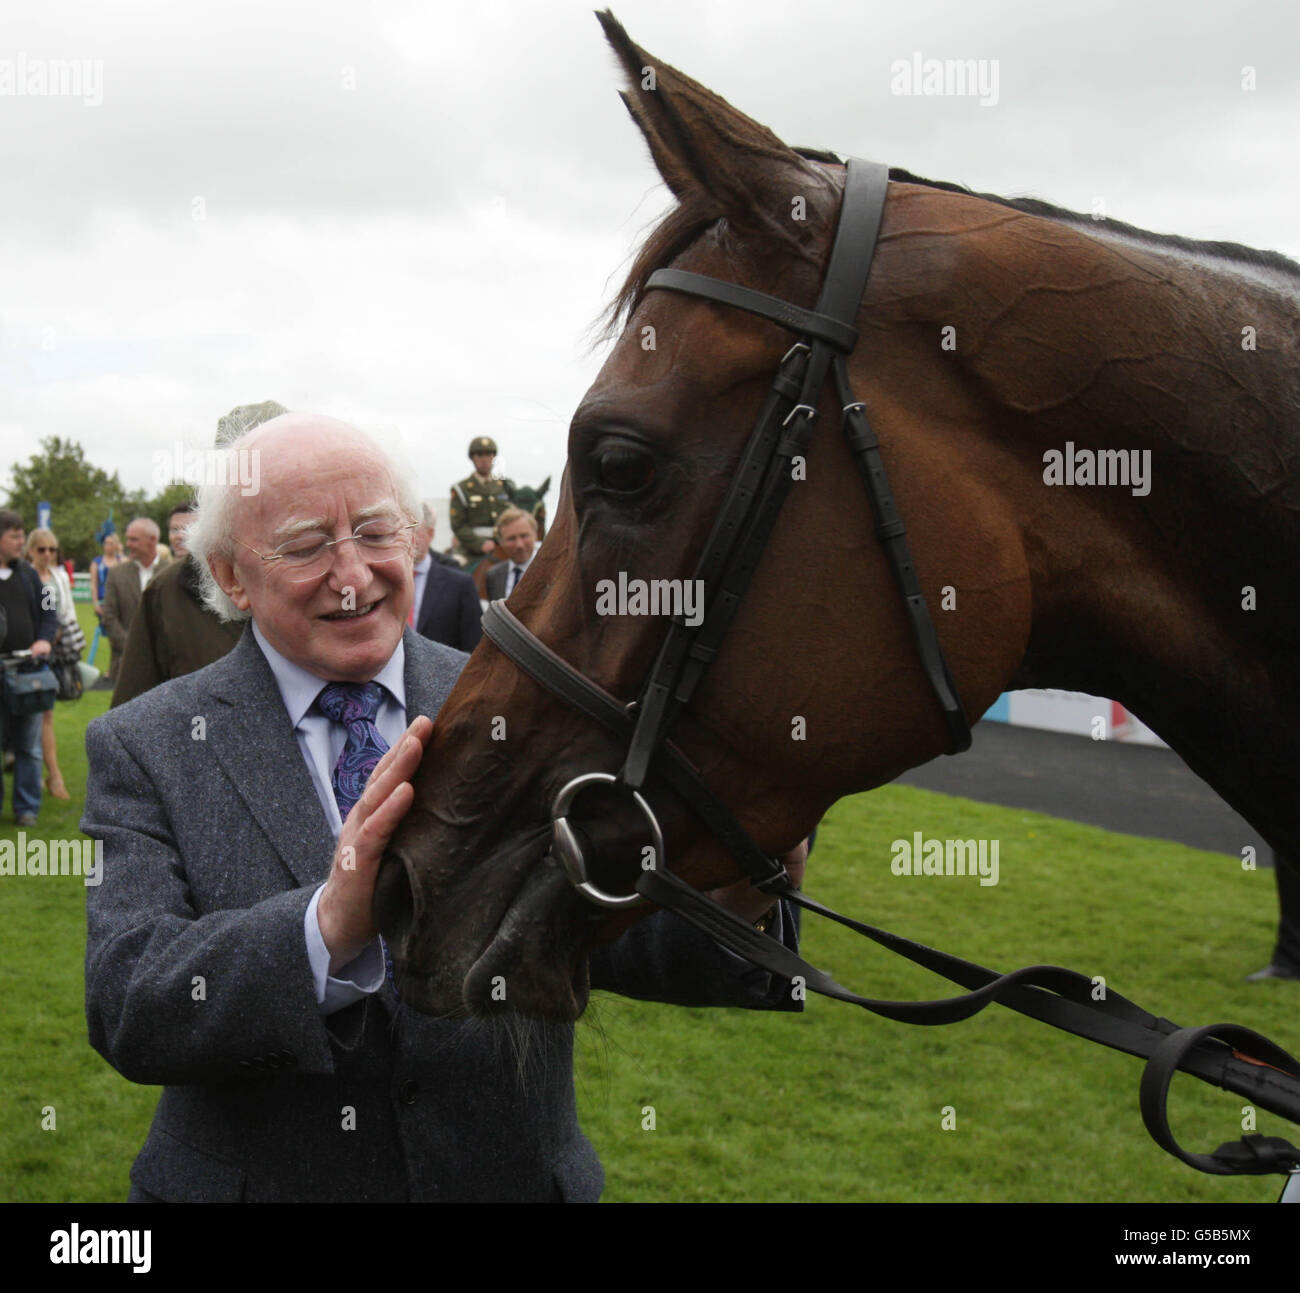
{"points": [[826, 336]]}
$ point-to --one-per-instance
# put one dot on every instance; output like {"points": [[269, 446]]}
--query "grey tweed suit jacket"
{"points": [[197, 978]]}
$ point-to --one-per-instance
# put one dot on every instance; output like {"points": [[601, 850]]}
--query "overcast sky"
{"points": [[412, 213]]}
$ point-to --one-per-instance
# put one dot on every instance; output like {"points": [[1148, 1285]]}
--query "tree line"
{"points": [[82, 496]]}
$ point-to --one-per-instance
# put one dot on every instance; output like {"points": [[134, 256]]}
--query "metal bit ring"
{"points": [[567, 848]]}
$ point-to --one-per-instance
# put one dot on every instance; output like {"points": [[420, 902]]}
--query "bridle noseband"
{"points": [[1063, 998]]}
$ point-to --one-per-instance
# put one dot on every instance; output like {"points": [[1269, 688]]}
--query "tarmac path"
{"points": [[1137, 789]]}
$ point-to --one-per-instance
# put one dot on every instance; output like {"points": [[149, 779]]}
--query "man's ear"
{"points": [[227, 577]]}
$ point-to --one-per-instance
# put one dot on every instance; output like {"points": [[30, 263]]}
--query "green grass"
{"points": [[831, 1104], [841, 1105], [45, 1059]]}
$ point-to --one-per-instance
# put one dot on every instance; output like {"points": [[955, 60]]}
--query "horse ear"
{"points": [[543, 487], [699, 142]]}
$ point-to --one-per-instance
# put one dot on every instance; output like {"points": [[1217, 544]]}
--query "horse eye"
{"points": [[624, 469]]}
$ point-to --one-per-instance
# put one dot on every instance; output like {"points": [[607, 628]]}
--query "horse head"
{"points": [[970, 370]]}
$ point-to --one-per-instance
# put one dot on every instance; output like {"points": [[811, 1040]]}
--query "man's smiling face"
{"points": [[320, 476]]}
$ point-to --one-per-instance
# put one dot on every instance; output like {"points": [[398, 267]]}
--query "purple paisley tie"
{"points": [[354, 705]]}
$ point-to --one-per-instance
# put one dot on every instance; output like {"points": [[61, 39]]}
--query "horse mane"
{"points": [[699, 209], [1233, 251]]}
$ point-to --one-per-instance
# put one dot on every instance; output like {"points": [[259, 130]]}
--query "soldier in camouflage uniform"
{"points": [[478, 500]]}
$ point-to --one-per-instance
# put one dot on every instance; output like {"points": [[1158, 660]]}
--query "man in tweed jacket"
{"points": [[231, 961]]}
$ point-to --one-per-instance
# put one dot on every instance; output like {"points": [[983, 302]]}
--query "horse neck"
{"points": [[1180, 602]]}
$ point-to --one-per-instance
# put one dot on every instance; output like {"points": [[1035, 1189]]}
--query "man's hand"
{"points": [[751, 904], [40, 648], [489, 547], [345, 912]]}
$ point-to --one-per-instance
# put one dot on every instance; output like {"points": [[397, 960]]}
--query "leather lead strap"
{"points": [[1056, 996]]}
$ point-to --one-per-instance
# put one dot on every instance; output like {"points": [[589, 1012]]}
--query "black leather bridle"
{"points": [[763, 478]]}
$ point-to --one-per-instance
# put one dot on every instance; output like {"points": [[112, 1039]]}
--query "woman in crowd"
{"points": [[100, 567], [42, 552]]}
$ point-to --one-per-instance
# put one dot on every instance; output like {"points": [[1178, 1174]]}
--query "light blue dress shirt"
{"points": [[321, 741], [421, 578]]}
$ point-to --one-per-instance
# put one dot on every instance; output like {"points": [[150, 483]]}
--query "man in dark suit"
{"points": [[517, 536], [231, 950], [447, 608], [127, 581]]}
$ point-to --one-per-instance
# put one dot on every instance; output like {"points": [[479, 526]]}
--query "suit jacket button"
{"points": [[408, 1092], [259, 1062]]}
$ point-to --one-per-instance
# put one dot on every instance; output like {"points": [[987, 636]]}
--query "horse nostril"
{"points": [[394, 903]]}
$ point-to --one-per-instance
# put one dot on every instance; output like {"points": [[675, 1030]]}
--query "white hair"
{"points": [[212, 532], [149, 525]]}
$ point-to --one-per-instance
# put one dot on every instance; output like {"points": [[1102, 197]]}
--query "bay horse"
{"points": [[1005, 346]]}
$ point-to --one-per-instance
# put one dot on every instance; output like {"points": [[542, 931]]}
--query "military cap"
{"points": [[482, 444]]}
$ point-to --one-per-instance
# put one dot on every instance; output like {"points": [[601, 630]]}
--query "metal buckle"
{"points": [[806, 409], [566, 847], [794, 350]]}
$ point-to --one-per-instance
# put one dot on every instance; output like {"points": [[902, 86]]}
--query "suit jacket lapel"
{"points": [[254, 735], [251, 737], [417, 676]]}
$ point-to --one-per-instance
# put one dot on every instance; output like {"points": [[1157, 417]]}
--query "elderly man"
{"points": [[127, 580], [231, 952], [446, 606]]}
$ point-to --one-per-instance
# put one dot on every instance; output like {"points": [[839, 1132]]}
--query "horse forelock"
{"points": [[683, 226]]}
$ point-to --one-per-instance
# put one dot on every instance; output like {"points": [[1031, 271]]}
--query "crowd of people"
{"points": [[148, 600]]}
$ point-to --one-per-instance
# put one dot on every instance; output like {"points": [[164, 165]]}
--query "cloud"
{"points": [[408, 214]]}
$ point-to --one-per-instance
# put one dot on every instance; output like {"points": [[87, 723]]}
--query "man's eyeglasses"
{"points": [[308, 555]]}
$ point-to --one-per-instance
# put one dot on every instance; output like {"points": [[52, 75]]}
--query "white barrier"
{"points": [[1072, 711]]}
